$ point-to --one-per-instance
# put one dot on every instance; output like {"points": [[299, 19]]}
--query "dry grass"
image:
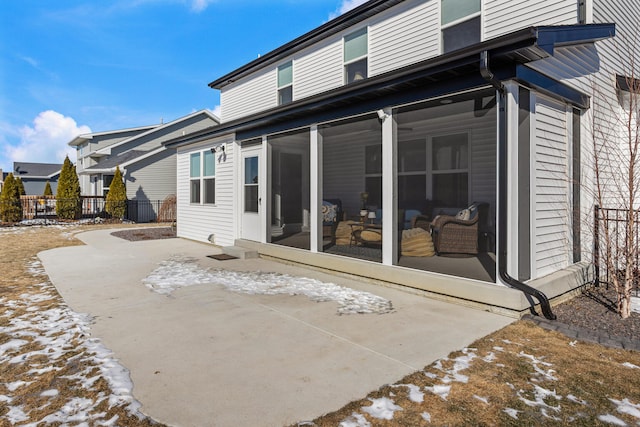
{"points": [[576, 383], [20, 283]]}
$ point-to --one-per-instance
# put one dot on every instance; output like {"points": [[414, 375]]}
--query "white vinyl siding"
{"points": [[504, 16], [319, 70], [410, 36], [249, 95], [199, 222], [551, 182]]}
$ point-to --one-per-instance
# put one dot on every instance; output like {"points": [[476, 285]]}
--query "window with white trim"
{"points": [[356, 50], [202, 174], [106, 183], [285, 83], [460, 23], [450, 169], [373, 174]]}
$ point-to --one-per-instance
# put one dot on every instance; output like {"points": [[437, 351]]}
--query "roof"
{"points": [[446, 73], [123, 160], [342, 22], [88, 136], [36, 170], [107, 150]]}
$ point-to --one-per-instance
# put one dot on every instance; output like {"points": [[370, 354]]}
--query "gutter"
{"points": [[502, 196]]}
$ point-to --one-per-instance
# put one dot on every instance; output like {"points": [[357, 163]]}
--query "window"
{"points": [[412, 166], [195, 178], [285, 83], [202, 175], [106, 183], [461, 23], [355, 56], [450, 169], [251, 187], [209, 177], [373, 175]]}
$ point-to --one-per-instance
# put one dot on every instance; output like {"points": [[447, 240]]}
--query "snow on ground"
{"points": [[181, 271], [48, 336], [540, 393]]}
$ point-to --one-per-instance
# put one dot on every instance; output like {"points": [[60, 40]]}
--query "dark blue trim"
{"points": [[538, 81], [550, 37]]}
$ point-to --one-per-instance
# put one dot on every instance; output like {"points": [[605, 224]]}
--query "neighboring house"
{"points": [[406, 110], [3, 176], [148, 167], [34, 176]]}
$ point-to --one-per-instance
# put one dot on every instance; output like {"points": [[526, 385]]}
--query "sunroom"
{"points": [[443, 160], [456, 176]]}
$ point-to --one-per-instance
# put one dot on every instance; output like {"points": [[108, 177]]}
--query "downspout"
{"points": [[486, 73]]}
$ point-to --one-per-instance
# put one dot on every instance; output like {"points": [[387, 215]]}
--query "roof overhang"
{"points": [[447, 73], [342, 22]]}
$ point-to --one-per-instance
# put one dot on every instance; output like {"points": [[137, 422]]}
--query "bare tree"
{"points": [[615, 147]]}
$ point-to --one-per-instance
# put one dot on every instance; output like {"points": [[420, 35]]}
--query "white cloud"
{"points": [[216, 111], [199, 5], [45, 141], [346, 6]]}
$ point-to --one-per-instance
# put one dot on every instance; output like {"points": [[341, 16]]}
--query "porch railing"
{"points": [[141, 211], [611, 242]]}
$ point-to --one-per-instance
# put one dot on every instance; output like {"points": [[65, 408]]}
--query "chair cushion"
{"points": [[343, 232], [416, 242], [372, 236]]}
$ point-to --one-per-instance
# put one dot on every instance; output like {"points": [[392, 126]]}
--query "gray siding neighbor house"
{"points": [[433, 144], [148, 167], [34, 176]]}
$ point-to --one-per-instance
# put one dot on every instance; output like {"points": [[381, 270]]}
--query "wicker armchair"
{"points": [[453, 235]]}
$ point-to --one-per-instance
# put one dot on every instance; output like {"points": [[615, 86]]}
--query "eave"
{"points": [[451, 71]]}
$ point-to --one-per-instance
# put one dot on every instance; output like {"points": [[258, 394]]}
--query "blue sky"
{"points": [[69, 67]]}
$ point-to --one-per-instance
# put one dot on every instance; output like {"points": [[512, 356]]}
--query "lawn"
{"points": [[53, 372]]}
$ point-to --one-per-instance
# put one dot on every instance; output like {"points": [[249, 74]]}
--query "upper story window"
{"points": [[202, 174], [461, 23], [356, 49], [285, 83]]}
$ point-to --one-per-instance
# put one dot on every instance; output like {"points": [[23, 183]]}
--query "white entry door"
{"points": [[251, 201]]}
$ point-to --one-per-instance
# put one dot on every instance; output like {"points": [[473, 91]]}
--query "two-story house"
{"points": [[148, 167], [337, 147]]}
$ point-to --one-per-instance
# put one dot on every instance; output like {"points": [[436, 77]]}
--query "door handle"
{"points": [[259, 200]]}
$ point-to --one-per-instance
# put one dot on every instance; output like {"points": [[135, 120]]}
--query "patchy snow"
{"points": [[59, 336], [482, 399], [635, 304], [180, 271], [513, 413], [382, 408], [630, 365], [625, 406], [426, 416], [612, 419], [355, 420], [415, 395]]}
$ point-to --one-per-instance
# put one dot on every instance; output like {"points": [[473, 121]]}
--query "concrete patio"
{"points": [[207, 356]]}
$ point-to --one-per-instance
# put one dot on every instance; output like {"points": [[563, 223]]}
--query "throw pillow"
{"points": [[329, 212], [464, 215]]}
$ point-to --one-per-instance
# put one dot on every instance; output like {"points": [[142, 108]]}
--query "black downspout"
{"points": [[502, 195]]}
